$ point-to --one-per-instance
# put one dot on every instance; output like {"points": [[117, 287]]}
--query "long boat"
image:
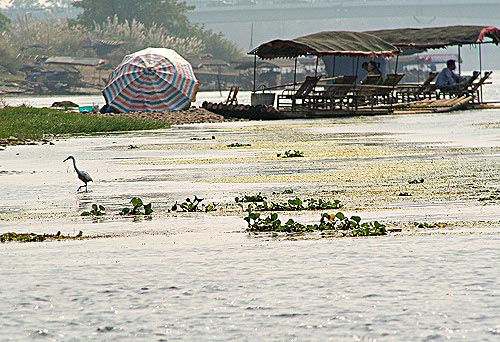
{"points": [[339, 92]]}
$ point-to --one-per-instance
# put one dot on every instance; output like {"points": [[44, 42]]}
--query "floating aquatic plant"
{"points": [[33, 237], [139, 208], [297, 204], [429, 224], [238, 145], [193, 206], [97, 210], [291, 154], [328, 222], [250, 198]]}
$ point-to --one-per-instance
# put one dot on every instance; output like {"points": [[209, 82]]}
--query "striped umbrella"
{"points": [[151, 80]]}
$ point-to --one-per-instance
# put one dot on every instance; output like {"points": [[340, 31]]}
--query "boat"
{"points": [[340, 93]]}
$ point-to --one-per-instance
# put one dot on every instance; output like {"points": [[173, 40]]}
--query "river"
{"points": [[201, 277]]}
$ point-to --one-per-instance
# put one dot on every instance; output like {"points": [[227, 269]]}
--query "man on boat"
{"points": [[447, 80]]}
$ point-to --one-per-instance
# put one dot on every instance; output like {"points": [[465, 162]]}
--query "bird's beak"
{"points": [[65, 160]]}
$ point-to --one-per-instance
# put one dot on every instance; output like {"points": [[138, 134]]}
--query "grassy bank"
{"points": [[26, 123]]}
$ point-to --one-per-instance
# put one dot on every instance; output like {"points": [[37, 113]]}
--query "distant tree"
{"points": [[168, 13], [4, 22]]}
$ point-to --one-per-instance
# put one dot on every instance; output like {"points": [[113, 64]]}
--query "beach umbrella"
{"points": [[151, 80]]}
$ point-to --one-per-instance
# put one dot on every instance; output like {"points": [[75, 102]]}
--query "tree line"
{"points": [[137, 24]]}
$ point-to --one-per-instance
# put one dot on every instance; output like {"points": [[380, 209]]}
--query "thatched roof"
{"points": [[326, 43], [437, 37]]}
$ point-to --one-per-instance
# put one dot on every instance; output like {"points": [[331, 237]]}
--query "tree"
{"points": [[4, 22], [168, 13]]}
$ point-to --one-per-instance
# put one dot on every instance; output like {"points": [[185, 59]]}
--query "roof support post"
{"points": [[316, 70], [396, 67], [333, 66], [254, 70], [295, 74], [459, 59], [480, 71]]}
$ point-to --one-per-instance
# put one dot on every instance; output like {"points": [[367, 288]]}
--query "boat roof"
{"points": [[326, 43], [437, 37]]}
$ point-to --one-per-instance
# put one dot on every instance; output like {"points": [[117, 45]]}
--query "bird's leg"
{"points": [[77, 190]]}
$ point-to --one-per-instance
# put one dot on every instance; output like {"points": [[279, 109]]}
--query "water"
{"points": [[200, 277]]}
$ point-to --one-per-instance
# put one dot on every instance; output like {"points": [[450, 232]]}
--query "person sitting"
{"points": [[448, 81], [373, 70]]}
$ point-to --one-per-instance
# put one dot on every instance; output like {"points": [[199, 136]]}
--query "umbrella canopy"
{"points": [[151, 80]]}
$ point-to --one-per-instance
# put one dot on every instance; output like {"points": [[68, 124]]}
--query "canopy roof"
{"points": [[437, 37], [326, 43]]}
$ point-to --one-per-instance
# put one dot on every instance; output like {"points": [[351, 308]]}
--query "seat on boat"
{"points": [[415, 92], [334, 94], [294, 98]]}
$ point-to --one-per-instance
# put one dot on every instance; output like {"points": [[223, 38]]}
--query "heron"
{"points": [[82, 175]]}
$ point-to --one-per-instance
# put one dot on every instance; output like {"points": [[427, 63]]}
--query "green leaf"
{"points": [[147, 209], [136, 202]]}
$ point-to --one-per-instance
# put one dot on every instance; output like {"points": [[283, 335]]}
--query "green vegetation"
{"points": [[95, 211], [238, 145], [429, 224], [250, 198], [32, 237], [295, 204], [291, 154], [192, 206], [329, 222], [416, 181], [36, 123], [139, 208]]}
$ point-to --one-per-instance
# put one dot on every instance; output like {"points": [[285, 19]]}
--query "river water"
{"points": [[201, 277]]}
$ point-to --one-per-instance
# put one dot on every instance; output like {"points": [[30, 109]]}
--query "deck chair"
{"points": [[384, 92], [231, 97], [415, 92], [458, 89], [366, 93], [335, 94], [474, 88], [291, 98]]}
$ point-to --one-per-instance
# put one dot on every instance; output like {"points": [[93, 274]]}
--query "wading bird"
{"points": [[84, 176]]}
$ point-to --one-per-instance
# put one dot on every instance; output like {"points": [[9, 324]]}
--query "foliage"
{"points": [[95, 211], [168, 13], [192, 206], [216, 44], [332, 222], [138, 205], [291, 154], [429, 224], [138, 36], [296, 204], [404, 194], [250, 198], [238, 145], [416, 181], [4, 22], [34, 123], [55, 37], [33, 237]]}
